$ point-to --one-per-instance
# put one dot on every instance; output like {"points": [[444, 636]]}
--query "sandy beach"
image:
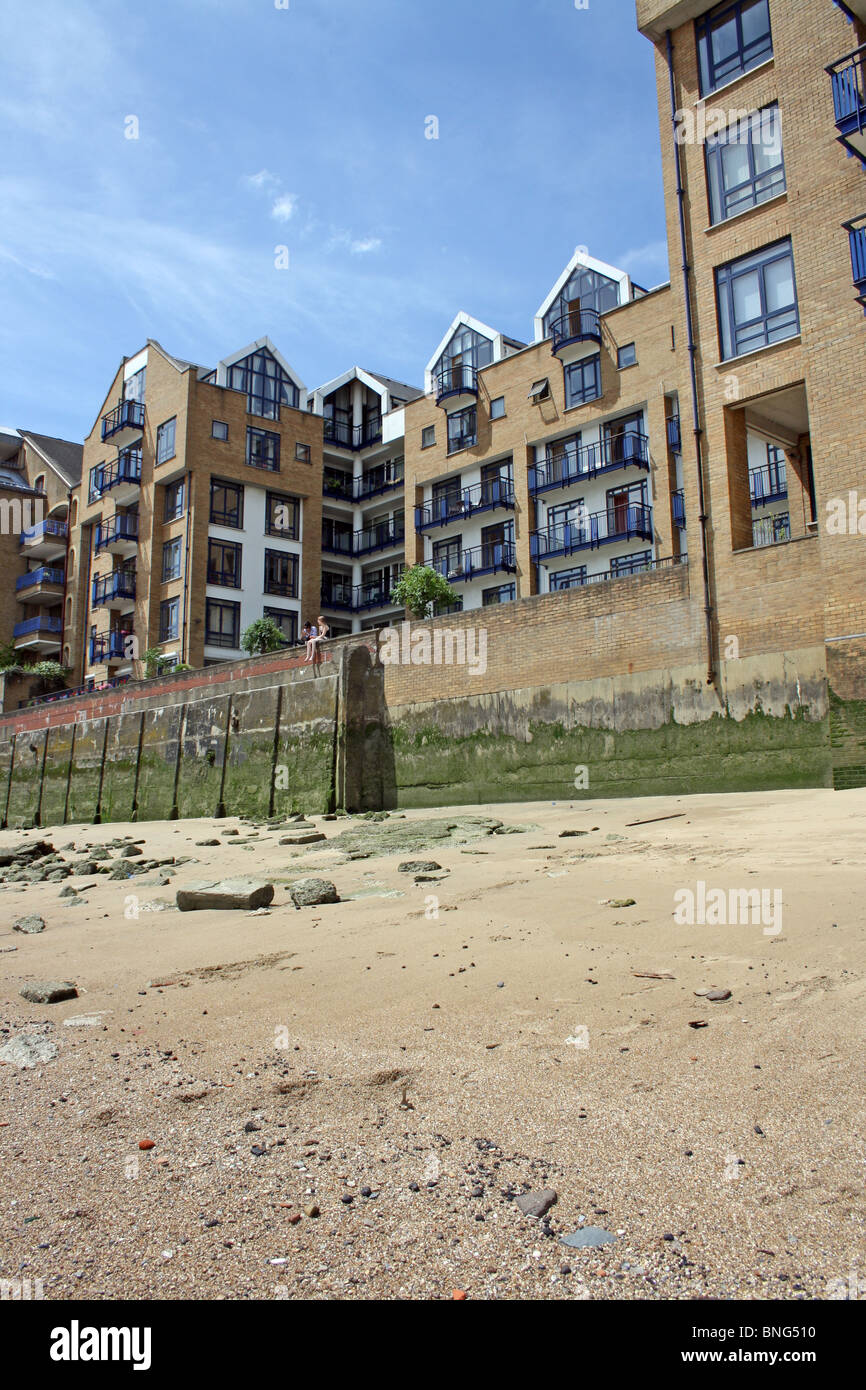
{"points": [[347, 1101]]}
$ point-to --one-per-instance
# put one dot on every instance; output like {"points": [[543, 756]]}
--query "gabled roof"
{"points": [[257, 346], [384, 386], [582, 257], [63, 455], [464, 320], [401, 389]]}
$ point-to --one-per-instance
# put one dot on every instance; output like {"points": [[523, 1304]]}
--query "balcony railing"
{"points": [[337, 543], [46, 574], [378, 480], [675, 440], [44, 530], [380, 536], [339, 485], [455, 506], [856, 230], [337, 594], [119, 585], [128, 415], [126, 468], [771, 530], [456, 379], [116, 528], [41, 623], [353, 437], [342, 596], [487, 558], [572, 464], [678, 505], [109, 647], [592, 530], [577, 325], [848, 78], [74, 692], [767, 484]]}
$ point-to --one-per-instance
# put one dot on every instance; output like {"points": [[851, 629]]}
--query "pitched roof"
{"points": [[401, 389], [63, 454]]}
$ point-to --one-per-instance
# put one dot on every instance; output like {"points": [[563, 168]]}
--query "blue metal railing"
{"points": [[675, 440], [576, 325], [336, 543], [768, 483], [856, 230], [353, 437], [49, 527], [74, 692], [127, 415], [46, 574], [573, 464], [462, 502], [678, 506], [108, 647], [41, 623], [456, 379], [380, 536], [459, 568], [116, 528], [771, 530], [120, 584], [848, 79], [126, 468], [379, 480], [337, 485], [592, 530]]}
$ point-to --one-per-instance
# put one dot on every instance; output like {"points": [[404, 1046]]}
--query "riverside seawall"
{"points": [[573, 701]]}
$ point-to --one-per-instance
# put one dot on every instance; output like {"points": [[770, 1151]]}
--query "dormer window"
{"points": [[467, 352], [585, 289], [266, 385]]}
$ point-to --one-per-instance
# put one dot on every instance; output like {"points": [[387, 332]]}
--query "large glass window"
{"points": [[171, 560], [466, 353], [583, 381], [568, 579], [226, 504], [462, 429], [222, 623], [757, 300], [133, 387], [174, 500], [282, 516], [502, 593], [745, 165], [732, 39], [224, 563], [585, 289], [165, 436], [263, 449], [286, 621], [169, 619], [266, 385], [281, 573]]}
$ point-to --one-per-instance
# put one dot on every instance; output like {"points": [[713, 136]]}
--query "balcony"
{"points": [[372, 594], [38, 634], [115, 590], [577, 465], [124, 423], [675, 439], [43, 585], [109, 648], [337, 486], [121, 477], [768, 484], [456, 506], [571, 330], [591, 531], [118, 535], [489, 558], [848, 78], [354, 437], [336, 542], [47, 539], [382, 535], [336, 593], [378, 481], [457, 383], [771, 530], [678, 509], [853, 9], [856, 230]]}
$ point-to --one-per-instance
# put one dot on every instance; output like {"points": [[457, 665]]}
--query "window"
{"points": [[466, 353], [303, 453], [226, 504], [174, 501], [428, 436], [263, 449], [757, 300], [169, 619], [462, 429], [286, 621], [171, 558], [626, 356], [744, 164], [224, 563], [497, 408], [732, 39], [39, 485], [95, 488], [503, 593], [540, 391], [281, 573], [631, 564], [219, 429], [222, 623], [448, 556], [133, 387], [165, 436], [585, 289], [583, 381], [282, 516], [266, 385], [568, 579]]}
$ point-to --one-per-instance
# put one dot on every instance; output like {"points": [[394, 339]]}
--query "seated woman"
{"points": [[318, 634]]}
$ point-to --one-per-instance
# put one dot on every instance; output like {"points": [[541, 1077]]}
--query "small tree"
{"points": [[420, 588], [262, 636]]}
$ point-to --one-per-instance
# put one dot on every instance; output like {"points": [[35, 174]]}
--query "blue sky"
{"points": [[304, 127]]}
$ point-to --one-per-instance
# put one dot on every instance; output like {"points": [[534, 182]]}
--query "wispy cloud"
{"points": [[358, 246], [283, 209], [264, 179], [363, 248]]}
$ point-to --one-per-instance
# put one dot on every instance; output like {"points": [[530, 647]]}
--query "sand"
{"points": [[443, 1047]]}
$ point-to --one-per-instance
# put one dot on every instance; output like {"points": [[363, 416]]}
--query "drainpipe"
{"points": [[187, 497], [705, 568]]}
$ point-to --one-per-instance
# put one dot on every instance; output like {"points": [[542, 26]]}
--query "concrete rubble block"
{"points": [[236, 894]]}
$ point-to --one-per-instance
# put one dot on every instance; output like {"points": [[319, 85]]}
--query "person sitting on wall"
{"points": [[318, 634], [306, 634]]}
